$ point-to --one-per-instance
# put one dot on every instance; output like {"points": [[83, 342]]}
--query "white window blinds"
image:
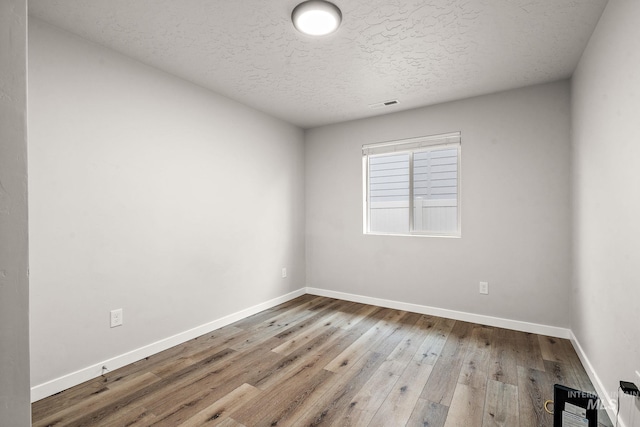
{"points": [[412, 186], [411, 144]]}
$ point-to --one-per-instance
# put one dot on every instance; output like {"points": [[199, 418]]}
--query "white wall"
{"points": [[606, 184], [15, 409], [149, 194], [515, 210]]}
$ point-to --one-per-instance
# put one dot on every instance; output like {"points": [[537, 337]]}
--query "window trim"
{"points": [[411, 146]]}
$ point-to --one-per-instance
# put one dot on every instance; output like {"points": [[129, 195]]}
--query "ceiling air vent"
{"points": [[383, 104]]}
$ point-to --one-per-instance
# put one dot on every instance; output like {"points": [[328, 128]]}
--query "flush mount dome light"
{"points": [[316, 17]]}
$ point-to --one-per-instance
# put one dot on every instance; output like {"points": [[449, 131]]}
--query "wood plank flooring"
{"points": [[317, 361]]}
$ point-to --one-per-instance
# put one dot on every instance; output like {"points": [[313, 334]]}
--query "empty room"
{"points": [[295, 213]]}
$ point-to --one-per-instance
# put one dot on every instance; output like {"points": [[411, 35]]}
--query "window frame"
{"points": [[412, 146]]}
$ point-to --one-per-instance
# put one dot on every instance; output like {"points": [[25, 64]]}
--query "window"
{"points": [[412, 186]]}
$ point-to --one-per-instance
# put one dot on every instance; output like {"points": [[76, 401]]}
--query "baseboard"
{"points": [[607, 400], [553, 331], [62, 383], [517, 325]]}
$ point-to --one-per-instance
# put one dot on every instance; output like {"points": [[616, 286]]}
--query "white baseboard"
{"points": [[57, 385], [553, 331], [606, 399], [481, 319], [62, 383]]}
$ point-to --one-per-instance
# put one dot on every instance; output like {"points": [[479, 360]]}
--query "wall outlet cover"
{"points": [[116, 317], [484, 288]]}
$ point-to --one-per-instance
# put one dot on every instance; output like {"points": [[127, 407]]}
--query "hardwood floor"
{"points": [[318, 361]]}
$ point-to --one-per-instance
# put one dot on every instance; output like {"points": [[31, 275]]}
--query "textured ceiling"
{"points": [[420, 52]]}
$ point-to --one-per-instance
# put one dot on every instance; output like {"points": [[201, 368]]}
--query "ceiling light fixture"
{"points": [[316, 17]]}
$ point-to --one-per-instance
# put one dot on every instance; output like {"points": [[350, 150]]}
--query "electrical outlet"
{"points": [[284, 272], [116, 317], [484, 288]]}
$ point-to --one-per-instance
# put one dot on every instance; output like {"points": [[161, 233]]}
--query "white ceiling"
{"points": [[420, 52]]}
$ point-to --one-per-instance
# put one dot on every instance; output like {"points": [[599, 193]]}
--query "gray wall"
{"points": [[515, 210], [15, 409], [606, 184], [152, 195]]}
